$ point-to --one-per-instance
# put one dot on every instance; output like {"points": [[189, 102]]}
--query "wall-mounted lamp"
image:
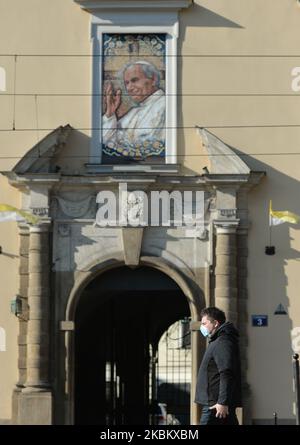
{"points": [[270, 250], [16, 306]]}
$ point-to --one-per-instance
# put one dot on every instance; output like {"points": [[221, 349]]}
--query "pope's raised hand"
{"points": [[112, 99]]}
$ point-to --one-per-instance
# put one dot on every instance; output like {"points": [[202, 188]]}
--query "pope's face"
{"points": [[138, 86]]}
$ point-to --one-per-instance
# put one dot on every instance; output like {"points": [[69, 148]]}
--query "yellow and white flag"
{"points": [[10, 213], [280, 217]]}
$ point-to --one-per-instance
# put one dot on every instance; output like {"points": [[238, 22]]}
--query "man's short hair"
{"points": [[213, 313], [148, 69]]}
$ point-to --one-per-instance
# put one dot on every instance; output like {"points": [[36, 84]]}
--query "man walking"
{"points": [[218, 387]]}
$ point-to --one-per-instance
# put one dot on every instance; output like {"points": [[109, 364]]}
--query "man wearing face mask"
{"points": [[218, 387]]}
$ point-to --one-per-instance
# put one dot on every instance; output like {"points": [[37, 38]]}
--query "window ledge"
{"points": [[97, 5], [157, 168]]}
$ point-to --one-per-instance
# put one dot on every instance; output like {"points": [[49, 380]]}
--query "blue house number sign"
{"points": [[259, 320]]}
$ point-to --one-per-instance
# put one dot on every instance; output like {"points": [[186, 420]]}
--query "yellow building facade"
{"points": [[230, 76]]}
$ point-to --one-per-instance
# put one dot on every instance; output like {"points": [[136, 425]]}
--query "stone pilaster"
{"points": [[38, 299], [22, 337], [226, 270], [231, 290], [242, 257], [198, 346], [23, 290], [36, 406]]}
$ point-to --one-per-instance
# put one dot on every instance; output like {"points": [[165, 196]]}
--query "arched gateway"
{"points": [[116, 316], [95, 300]]}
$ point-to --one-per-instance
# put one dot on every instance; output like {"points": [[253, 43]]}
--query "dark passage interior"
{"points": [[120, 318]]}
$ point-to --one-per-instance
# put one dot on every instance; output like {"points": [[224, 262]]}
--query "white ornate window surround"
{"points": [[2, 340], [2, 79], [135, 17]]}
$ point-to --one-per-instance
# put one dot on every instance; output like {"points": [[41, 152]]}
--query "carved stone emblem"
{"points": [[63, 229], [133, 209]]}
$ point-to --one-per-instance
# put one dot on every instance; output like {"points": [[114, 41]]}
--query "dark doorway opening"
{"points": [[120, 318]]}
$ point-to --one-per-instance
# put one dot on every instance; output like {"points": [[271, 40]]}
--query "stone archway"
{"points": [[63, 249], [195, 300]]}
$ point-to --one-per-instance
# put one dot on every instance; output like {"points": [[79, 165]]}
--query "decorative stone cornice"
{"points": [[223, 159], [41, 158], [130, 5], [42, 227], [226, 227]]}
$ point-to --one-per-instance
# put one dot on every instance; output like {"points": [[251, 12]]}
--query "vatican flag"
{"points": [[280, 217], [10, 213]]}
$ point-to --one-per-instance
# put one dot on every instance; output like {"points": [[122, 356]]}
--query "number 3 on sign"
{"points": [[259, 320]]}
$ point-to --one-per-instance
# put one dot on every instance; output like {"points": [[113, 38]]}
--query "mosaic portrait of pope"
{"points": [[134, 104]]}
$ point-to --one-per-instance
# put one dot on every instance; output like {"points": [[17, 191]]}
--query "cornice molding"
{"points": [[130, 5], [41, 158], [222, 158]]}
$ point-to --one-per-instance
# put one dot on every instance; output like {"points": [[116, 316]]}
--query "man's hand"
{"points": [[221, 410], [112, 99]]}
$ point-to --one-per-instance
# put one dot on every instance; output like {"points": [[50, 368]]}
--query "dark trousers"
{"points": [[208, 417]]}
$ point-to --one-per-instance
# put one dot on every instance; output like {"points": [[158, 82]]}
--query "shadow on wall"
{"points": [[199, 17], [268, 281], [75, 154]]}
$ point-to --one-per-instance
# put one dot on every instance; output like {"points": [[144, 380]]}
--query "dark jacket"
{"points": [[219, 377]]}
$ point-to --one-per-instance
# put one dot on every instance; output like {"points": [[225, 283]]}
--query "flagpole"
{"points": [[270, 250], [270, 223]]}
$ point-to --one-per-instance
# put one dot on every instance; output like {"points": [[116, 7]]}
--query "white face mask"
{"points": [[204, 331]]}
